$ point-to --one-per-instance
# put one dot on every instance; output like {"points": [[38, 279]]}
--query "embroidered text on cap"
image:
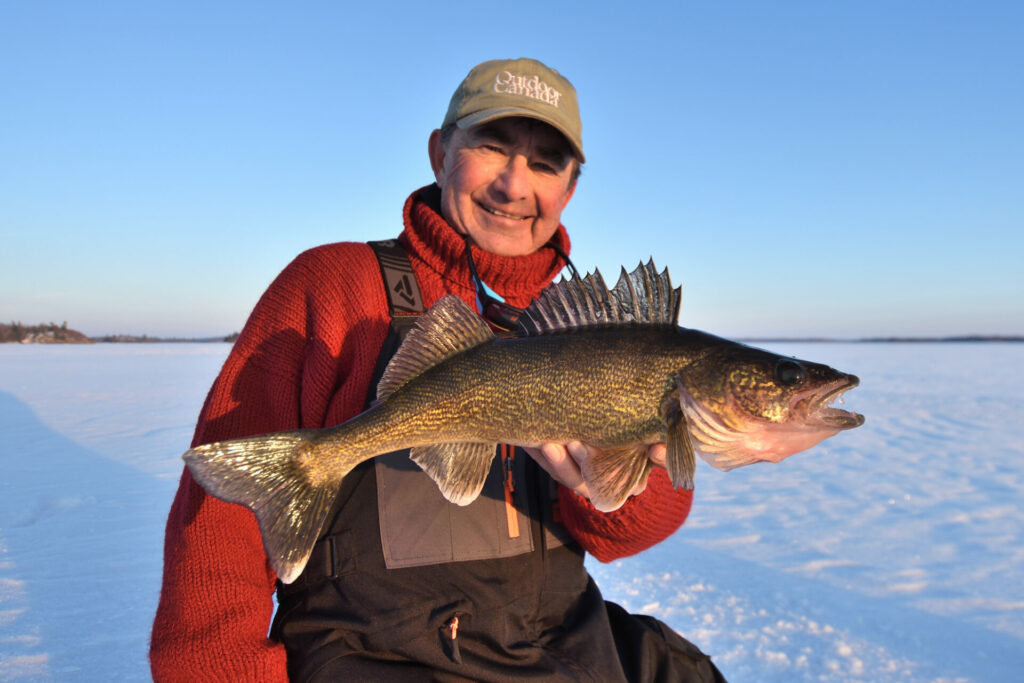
{"points": [[518, 84]]}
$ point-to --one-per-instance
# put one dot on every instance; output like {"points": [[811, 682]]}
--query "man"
{"points": [[403, 585]]}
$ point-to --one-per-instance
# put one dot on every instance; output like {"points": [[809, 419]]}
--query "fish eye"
{"points": [[790, 373]]}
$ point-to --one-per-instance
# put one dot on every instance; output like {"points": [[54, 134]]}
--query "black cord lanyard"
{"points": [[498, 313]]}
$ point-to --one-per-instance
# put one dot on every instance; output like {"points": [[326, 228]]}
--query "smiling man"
{"points": [[403, 585], [504, 183]]}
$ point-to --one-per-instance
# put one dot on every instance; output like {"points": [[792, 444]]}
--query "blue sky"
{"points": [[839, 169]]}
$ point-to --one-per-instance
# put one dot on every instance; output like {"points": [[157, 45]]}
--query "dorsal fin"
{"points": [[643, 297], [448, 328]]}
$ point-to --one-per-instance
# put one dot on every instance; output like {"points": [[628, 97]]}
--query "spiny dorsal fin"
{"points": [[448, 328], [644, 297]]}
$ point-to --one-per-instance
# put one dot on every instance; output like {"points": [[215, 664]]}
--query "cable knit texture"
{"points": [[305, 359]]}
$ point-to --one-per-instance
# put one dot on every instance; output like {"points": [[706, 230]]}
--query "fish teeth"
{"points": [[836, 400]]}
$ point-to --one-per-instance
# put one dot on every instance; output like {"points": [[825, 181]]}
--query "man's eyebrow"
{"points": [[492, 132], [553, 154]]}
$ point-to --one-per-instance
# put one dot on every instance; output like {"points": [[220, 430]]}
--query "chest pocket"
{"points": [[419, 527]]}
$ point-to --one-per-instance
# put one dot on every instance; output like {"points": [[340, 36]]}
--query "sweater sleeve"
{"points": [[216, 599], [643, 521]]}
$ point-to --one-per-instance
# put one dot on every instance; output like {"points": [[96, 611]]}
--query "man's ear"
{"points": [[435, 149], [568, 195]]}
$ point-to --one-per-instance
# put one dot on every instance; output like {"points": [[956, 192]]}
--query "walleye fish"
{"points": [[609, 368]]}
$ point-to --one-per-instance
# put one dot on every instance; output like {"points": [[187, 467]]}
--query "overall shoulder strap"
{"points": [[404, 301], [399, 280]]}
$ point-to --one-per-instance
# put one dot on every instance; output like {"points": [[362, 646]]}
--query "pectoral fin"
{"points": [[680, 460], [613, 474], [458, 468]]}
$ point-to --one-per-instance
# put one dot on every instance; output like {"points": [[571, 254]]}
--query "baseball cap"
{"points": [[517, 87]]}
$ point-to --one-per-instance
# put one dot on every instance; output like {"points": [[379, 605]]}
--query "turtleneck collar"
{"points": [[429, 238]]}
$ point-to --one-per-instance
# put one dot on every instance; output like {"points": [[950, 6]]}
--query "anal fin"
{"points": [[613, 474], [459, 469]]}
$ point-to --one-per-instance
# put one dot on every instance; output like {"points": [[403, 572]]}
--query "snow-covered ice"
{"points": [[894, 552]]}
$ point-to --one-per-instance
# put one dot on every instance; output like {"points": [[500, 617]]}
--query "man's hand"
{"points": [[562, 462]]}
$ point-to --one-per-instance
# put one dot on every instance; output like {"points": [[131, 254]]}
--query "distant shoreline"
{"points": [[51, 333], [970, 339], [893, 340], [144, 339], [16, 333]]}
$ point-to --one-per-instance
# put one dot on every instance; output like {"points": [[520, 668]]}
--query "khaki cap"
{"points": [[517, 87]]}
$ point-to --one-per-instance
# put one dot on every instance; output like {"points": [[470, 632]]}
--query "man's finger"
{"points": [[579, 452], [556, 460], [657, 453]]}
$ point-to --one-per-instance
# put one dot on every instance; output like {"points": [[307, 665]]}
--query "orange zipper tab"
{"points": [[508, 455]]}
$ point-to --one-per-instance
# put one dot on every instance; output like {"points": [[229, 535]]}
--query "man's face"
{"points": [[504, 183]]}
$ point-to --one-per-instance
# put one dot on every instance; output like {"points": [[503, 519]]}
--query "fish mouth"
{"points": [[818, 406], [732, 438]]}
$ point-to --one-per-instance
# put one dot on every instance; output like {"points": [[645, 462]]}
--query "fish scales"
{"points": [[527, 392], [609, 368]]}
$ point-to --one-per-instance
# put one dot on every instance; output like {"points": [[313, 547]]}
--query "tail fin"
{"points": [[275, 477]]}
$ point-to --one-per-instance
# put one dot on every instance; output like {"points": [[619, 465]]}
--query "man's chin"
{"points": [[505, 243]]}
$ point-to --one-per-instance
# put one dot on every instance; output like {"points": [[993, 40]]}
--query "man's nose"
{"points": [[513, 179]]}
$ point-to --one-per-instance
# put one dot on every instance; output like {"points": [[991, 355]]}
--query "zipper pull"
{"points": [[453, 630], [508, 456]]}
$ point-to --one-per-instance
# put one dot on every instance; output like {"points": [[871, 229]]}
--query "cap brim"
{"points": [[486, 115]]}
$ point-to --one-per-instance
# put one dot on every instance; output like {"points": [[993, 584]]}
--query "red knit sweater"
{"points": [[305, 359]]}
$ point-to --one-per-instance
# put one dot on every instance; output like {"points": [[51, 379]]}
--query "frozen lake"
{"points": [[894, 552]]}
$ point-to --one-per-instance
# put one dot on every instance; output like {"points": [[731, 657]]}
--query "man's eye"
{"points": [[492, 148], [546, 165]]}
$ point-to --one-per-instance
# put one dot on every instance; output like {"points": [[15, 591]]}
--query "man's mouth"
{"points": [[501, 214]]}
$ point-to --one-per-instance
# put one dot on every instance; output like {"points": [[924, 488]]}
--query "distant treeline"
{"points": [[43, 333], [52, 333], [146, 339]]}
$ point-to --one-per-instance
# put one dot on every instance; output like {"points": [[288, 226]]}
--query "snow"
{"points": [[894, 552]]}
